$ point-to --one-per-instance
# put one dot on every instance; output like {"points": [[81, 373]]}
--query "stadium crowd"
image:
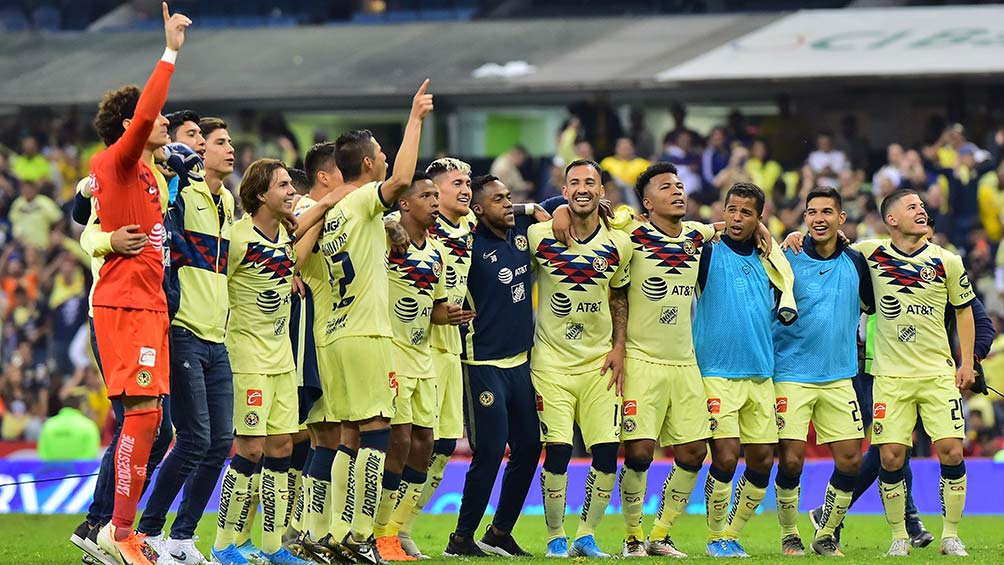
{"points": [[44, 276]]}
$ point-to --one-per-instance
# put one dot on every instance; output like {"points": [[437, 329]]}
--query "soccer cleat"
{"points": [[586, 547], [159, 545], [633, 547], [720, 548], [229, 555], [89, 544], [410, 547], [328, 550], [737, 548], [290, 537], [826, 546], [389, 548], [953, 546], [363, 551], [130, 551], [304, 548], [249, 551], [558, 547], [462, 548], [899, 548], [663, 548], [919, 536], [816, 517], [792, 545], [86, 559], [283, 557], [503, 545], [80, 534], [184, 551]]}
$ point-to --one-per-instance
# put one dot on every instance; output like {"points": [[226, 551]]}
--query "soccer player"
{"points": [[130, 307], [453, 228], [355, 348], [579, 339], [199, 226], [500, 399], [260, 281], [914, 371], [815, 359], [664, 397], [735, 307], [418, 298]]}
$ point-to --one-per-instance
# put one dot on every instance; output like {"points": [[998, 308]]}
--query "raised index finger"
{"points": [[421, 89], [167, 14]]}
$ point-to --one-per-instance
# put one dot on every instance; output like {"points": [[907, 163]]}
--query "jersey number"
{"points": [[348, 275], [956, 404], [855, 411]]}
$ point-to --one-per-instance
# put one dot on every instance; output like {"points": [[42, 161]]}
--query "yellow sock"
{"points": [[632, 485], [953, 500], [410, 495], [247, 525], [295, 511], [599, 487], [341, 504], [554, 487], [274, 503], [676, 491], [787, 509], [388, 502], [235, 498], [367, 475], [435, 476], [894, 502], [747, 499], [835, 506], [717, 494], [306, 513]]}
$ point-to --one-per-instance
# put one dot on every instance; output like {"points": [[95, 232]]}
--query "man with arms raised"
{"points": [[577, 364]]}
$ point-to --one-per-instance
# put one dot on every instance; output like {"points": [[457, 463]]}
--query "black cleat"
{"points": [[503, 545], [327, 550], [88, 542], [919, 536], [307, 549], [816, 517], [363, 551], [465, 548]]}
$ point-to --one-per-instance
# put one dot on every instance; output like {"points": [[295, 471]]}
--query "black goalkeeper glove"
{"points": [[979, 385]]}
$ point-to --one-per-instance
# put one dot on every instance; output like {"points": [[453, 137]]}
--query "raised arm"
{"points": [[407, 155]]}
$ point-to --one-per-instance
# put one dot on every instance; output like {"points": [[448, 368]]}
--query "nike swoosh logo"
{"points": [[826, 271], [959, 426], [179, 556], [201, 208]]}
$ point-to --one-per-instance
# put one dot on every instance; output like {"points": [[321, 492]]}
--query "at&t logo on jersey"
{"points": [[505, 275], [654, 288], [561, 305], [890, 307]]}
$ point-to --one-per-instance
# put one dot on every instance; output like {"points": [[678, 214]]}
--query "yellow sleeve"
{"points": [[238, 248], [960, 290], [781, 276], [624, 219], [93, 241], [622, 276], [534, 234], [439, 293]]}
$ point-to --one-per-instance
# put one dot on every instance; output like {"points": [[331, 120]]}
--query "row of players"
{"points": [[383, 328]]}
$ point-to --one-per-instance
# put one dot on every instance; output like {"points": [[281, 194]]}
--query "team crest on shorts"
{"points": [[251, 419], [630, 425], [780, 422], [144, 378], [928, 273], [714, 423], [486, 399], [600, 264], [521, 243], [877, 428], [689, 248]]}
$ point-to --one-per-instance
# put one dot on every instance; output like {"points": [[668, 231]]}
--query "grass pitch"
{"points": [[41, 539]]}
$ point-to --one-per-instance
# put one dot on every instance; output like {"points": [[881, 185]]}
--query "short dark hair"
{"points": [[115, 106], [255, 182], [300, 181], [478, 184], [415, 179], [350, 149], [748, 190], [319, 157], [583, 163], [209, 125], [894, 197], [652, 171], [176, 119], [825, 192]]}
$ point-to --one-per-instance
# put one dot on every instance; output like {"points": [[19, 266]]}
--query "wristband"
{"points": [[169, 56]]}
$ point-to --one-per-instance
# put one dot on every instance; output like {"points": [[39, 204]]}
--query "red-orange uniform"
{"points": [[130, 309]]}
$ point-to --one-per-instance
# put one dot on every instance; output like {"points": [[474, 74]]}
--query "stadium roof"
{"points": [[488, 62]]}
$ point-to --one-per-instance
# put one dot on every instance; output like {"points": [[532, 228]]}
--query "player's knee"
{"points": [[422, 441], [892, 459], [605, 457], [848, 461], [444, 446], [790, 464], [556, 458], [637, 464], [691, 454], [950, 455], [639, 450], [278, 446]]}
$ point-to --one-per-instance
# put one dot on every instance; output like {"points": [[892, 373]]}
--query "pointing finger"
{"points": [[167, 14], [421, 89]]}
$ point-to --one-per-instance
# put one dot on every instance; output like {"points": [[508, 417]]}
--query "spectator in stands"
{"points": [[679, 113], [853, 144], [32, 216], [507, 168], [624, 165], [827, 161], [568, 136], [69, 435], [764, 171], [786, 133], [952, 139], [66, 286], [715, 157], [644, 141], [890, 174], [991, 201], [735, 171], [30, 165], [963, 187], [678, 148], [736, 128], [584, 150]]}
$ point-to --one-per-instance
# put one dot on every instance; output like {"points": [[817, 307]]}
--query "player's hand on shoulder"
{"points": [[174, 28], [794, 242], [397, 235], [540, 214], [421, 105]]}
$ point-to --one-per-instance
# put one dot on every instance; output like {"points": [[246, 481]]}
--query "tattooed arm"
{"points": [[615, 359]]}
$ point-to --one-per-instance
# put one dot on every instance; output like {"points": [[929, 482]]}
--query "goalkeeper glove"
{"points": [[979, 385]]}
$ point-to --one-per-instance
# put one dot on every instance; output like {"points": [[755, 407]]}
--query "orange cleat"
{"points": [[130, 551], [390, 549]]}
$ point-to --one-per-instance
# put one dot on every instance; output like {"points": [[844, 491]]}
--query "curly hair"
{"points": [[115, 106]]}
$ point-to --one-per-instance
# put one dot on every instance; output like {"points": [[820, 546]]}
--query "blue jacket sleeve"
{"points": [[81, 209], [985, 330]]}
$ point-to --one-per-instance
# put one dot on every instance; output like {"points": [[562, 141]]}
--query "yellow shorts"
{"points": [[358, 370], [898, 400], [447, 368], [265, 405], [416, 402], [664, 403], [564, 400], [832, 408], [741, 408]]}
